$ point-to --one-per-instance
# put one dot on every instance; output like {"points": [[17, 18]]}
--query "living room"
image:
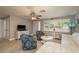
{"points": [[49, 26]]}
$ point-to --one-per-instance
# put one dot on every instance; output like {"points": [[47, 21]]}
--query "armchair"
{"points": [[28, 42], [39, 34]]}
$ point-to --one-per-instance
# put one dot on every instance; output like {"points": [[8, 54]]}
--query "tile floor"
{"points": [[15, 46]]}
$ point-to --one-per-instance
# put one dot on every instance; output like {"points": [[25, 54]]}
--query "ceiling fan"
{"points": [[34, 16]]}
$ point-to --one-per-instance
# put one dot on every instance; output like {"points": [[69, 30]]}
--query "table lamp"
{"points": [[72, 25]]}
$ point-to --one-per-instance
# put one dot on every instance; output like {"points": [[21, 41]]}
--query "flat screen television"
{"points": [[21, 27]]}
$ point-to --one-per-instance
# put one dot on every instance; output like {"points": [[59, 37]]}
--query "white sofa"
{"points": [[69, 44]]}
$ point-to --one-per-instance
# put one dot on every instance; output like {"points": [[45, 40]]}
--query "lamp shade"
{"points": [[72, 24]]}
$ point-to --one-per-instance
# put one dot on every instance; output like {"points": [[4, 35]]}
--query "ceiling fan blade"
{"points": [[39, 16]]}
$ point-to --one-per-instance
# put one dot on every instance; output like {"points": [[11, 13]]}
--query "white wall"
{"points": [[14, 21], [36, 26]]}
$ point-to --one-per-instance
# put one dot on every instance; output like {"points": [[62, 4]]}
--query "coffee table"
{"points": [[46, 38]]}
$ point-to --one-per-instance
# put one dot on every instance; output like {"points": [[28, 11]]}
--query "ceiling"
{"points": [[17, 11], [51, 11]]}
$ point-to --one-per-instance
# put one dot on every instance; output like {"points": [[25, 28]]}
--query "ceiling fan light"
{"points": [[33, 18]]}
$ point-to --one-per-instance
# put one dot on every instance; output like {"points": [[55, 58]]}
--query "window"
{"points": [[60, 25]]}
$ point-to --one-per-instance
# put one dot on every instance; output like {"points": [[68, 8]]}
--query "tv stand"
{"points": [[22, 32]]}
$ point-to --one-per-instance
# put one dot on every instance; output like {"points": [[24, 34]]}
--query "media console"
{"points": [[22, 32]]}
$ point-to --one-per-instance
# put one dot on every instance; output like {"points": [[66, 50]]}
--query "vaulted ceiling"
{"points": [[50, 11]]}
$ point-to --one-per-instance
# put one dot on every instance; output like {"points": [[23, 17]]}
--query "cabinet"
{"points": [[22, 32]]}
